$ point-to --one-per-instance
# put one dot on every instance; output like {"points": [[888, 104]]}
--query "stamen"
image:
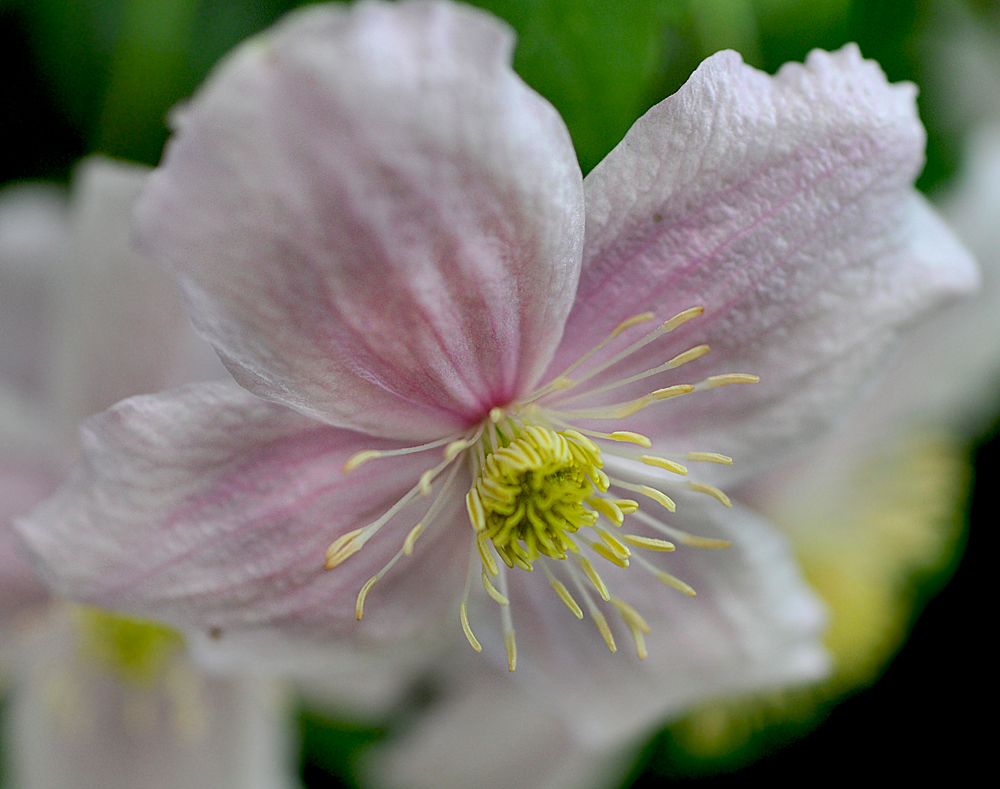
{"points": [[562, 382], [595, 614], [492, 591], [649, 543], [636, 624], [563, 593], [623, 410], [595, 579], [359, 606], [463, 607], [711, 490], [607, 553], [668, 465], [667, 326], [664, 577], [508, 624], [608, 508], [346, 545], [725, 380], [358, 458], [683, 537], [710, 457], [658, 496]]}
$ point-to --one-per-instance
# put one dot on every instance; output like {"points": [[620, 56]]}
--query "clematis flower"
{"points": [[484, 396], [99, 700]]}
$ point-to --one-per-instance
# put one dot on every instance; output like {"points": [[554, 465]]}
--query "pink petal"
{"points": [[211, 509], [754, 625], [785, 207], [374, 220]]}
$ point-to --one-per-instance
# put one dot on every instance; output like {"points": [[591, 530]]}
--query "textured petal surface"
{"points": [[374, 220], [785, 207], [753, 625], [211, 509], [74, 724]]}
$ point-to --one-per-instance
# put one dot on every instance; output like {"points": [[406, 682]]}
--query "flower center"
{"points": [[539, 494], [529, 495]]}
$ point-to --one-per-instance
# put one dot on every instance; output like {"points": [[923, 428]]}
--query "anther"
{"points": [[491, 590], [725, 380], [649, 543], [591, 573], [668, 465], [711, 490], [463, 614], [688, 356], [710, 457], [345, 546], [359, 606]]}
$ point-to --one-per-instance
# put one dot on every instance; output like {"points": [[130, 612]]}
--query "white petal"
{"points": [[75, 725]]}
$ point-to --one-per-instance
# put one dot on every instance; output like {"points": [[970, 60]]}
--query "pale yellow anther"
{"points": [[672, 391], [345, 546], [425, 481], [358, 458], [484, 552], [693, 541], [566, 597], [635, 320], [491, 590], [452, 450], [601, 480], [496, 414], [710, 457], [602, 625], [727, 379], [658, 496], [636, 625], [627, 506], [711, 490], [676, 583], [688, 356], [608, 508], [463, 614], [473, 503], [649, 543], [613, 542], [668, 465], [632, 617], [682, 318], [411, 538], [511, 650], [615, 558], [359, 606], [632, 438], [591, 573]]}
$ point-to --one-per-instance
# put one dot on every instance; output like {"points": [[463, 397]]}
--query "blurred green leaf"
{"points": [[599, 63]]}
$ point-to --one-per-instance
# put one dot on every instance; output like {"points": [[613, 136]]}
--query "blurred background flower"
{"points": [[100, 76]]}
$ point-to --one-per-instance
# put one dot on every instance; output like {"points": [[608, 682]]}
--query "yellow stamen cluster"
{"points": [[530, 494]]}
